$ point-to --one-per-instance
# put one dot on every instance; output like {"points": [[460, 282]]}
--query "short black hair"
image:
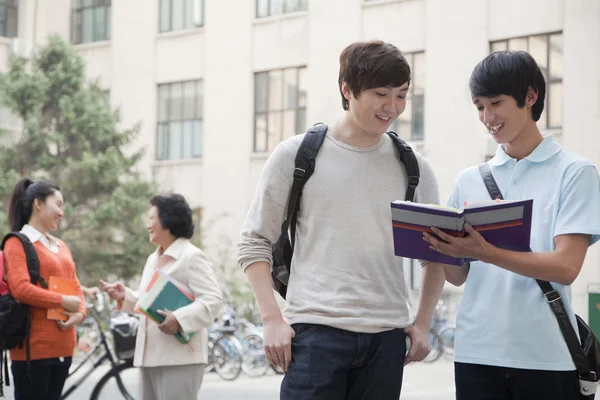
{"points": [[510, 73], [174, 214]]}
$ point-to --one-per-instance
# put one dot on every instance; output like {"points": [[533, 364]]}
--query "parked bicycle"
{"points": [[225, 352], [120, 360], [441, 335]]}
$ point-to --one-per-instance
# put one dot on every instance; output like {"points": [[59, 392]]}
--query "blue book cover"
{"points": [[164, 295], [503, 223]]}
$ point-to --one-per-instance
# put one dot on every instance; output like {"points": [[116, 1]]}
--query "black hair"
{"points": [[174, 214], [21, 201], [510, 73]]}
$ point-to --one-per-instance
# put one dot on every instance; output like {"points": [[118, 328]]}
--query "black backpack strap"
{"points": [[33, 266], [3, 362], [305, 166], [408, 158], [552, 296], [33, 262]]}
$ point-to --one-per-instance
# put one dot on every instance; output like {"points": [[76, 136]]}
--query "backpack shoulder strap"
{"points": [[304, 168], [33, 262], [408, 158]]}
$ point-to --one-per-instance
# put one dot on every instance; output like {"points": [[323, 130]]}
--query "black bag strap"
{"points": [[408, 158], [3, 362], [304, 168], [33, 262], [33, 266], [552, 296]]}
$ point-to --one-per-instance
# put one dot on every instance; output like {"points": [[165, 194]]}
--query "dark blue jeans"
{"points": [[48, 378], [483, 382], [334, 364]]}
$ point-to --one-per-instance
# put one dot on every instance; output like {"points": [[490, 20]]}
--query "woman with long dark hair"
{"points": [[36, 209]]}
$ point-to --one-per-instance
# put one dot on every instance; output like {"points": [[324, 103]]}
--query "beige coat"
{"points": [[189, 265]]}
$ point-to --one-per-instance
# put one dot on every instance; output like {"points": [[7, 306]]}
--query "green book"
{"points": [[164, 295]]}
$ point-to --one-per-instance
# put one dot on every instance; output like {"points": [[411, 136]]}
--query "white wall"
{"points": [[582, 109]]}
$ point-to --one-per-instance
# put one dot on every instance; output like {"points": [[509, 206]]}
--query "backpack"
{"points": [[15, 322], [283, 249]]}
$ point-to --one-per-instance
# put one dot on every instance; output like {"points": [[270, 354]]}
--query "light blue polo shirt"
{"points": [[503, 319]]}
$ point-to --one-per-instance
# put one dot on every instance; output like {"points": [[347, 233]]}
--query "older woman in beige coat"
{"points": [[170, 369]]}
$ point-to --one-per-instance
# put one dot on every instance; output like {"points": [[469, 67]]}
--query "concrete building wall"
{"points": [[233, 44]]}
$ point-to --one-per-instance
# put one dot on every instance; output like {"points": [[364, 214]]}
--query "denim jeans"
{"points": [[483, 382], [334, 364], [48, 378]]}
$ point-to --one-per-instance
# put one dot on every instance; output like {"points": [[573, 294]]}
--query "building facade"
{"points": [[217, 84]]}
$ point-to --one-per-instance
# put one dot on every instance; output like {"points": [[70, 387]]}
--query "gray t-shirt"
{"points": [[344, 271]]}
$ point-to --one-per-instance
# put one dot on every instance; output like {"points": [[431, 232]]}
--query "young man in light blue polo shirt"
{"points": [[508, 342]]}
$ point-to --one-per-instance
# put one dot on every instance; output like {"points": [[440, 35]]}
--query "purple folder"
{"points": [[504, 224]]}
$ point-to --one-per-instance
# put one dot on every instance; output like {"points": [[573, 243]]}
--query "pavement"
{"points": [[434, 381]]}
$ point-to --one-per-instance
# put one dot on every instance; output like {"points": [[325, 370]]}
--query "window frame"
{"points": [[281, 110], [549, 79], [410, 58], [198, 117], [78, 7], [184, 16], [303, 7], [12, 5]]}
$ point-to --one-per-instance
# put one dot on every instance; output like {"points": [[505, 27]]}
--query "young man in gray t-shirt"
{"points": [[343, 332]]}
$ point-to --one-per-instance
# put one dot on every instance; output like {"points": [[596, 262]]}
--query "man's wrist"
{"points": [[422, 324], [491, 254], [267, 319]]}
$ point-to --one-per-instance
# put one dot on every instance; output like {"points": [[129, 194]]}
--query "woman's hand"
{"points": [[74, 319], [70, 303], [116, 291], [170, 325]]}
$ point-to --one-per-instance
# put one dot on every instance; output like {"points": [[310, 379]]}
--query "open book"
{"points": [[503, 223], [165, 293]]}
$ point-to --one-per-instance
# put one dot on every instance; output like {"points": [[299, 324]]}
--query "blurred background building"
{"points": [[216, 84]]}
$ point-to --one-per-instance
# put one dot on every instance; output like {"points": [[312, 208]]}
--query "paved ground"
{"points": [[421, 381]]}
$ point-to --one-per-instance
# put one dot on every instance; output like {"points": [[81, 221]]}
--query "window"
{"points": [[175, 15], [106, 98], [269, 8], [547, 50], [91, 21], [410, 124], [279, 106], [9, 17], [179, 129]]}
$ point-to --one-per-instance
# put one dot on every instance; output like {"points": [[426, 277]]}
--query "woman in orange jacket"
{"points": [[35, 209]]}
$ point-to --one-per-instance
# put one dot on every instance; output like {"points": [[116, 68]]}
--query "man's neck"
{"points": [[524, 144], [348, 131]]}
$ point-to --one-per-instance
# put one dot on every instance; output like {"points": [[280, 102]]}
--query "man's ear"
{"points": [[346, 91], [531, 97]]}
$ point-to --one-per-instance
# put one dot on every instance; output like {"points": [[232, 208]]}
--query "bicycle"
{"points": [[105, 386], [441, 335], [224, 351]]}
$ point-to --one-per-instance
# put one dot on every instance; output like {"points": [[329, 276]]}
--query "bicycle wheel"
{"points": [[447, 334], [108, 387], [435, 342], [227, 358], [255, 363]]}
